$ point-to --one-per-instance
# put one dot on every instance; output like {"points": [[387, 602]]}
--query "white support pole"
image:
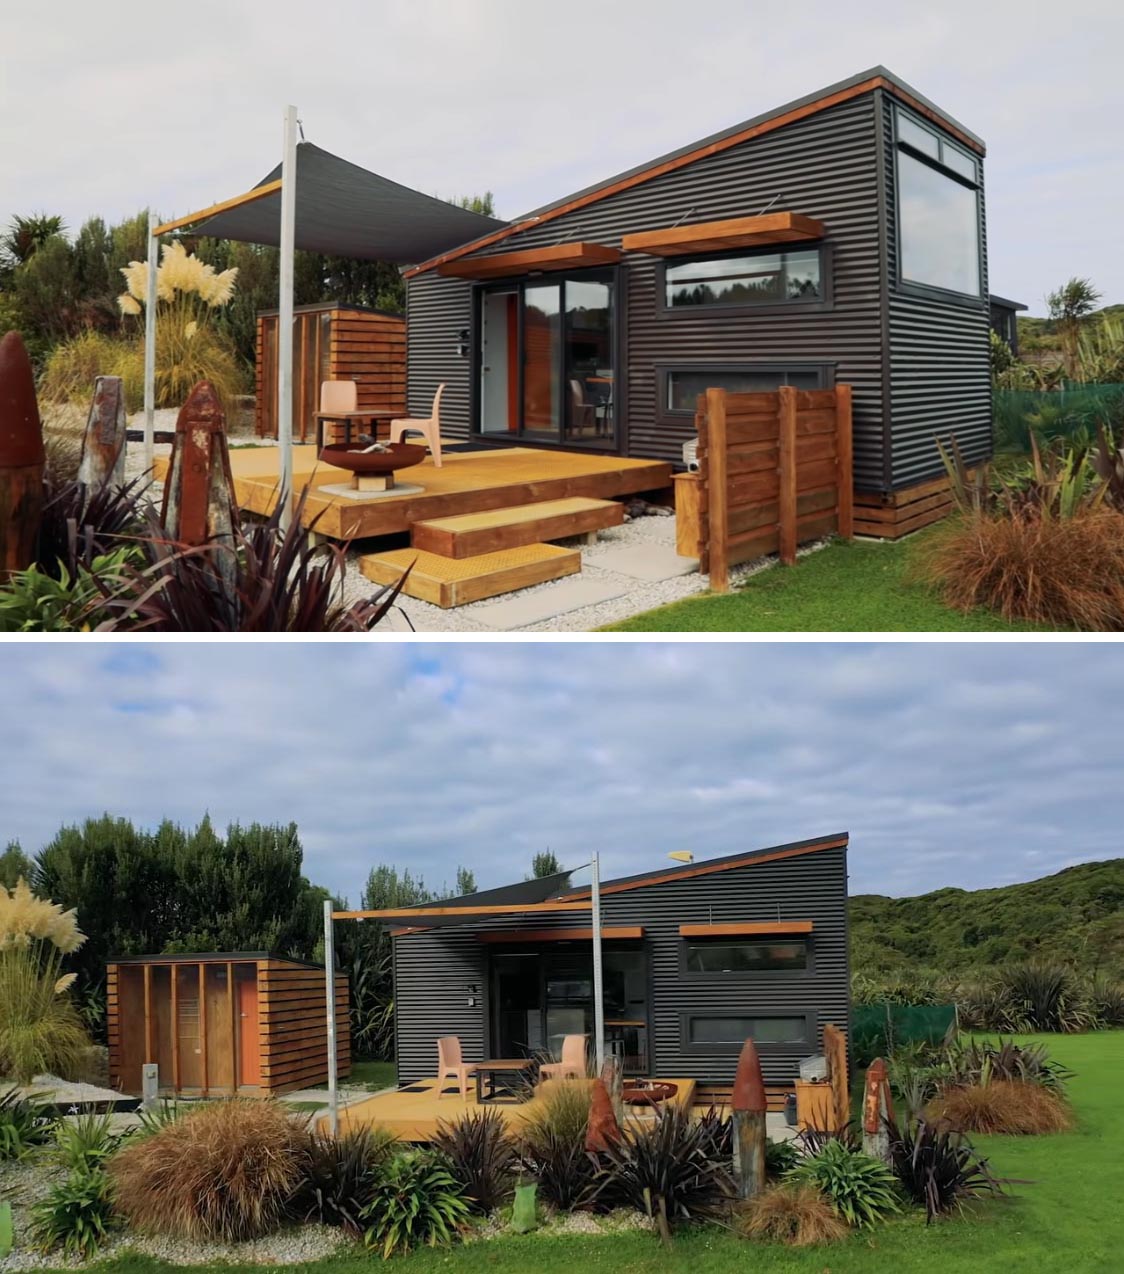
{"points": [[150, 344], [598, 992], [285, 315], [330, 992]]}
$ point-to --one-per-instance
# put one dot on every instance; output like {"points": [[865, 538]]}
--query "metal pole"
{"points": [[150, 344], [330, 992], [285, 315], [598, 996]]}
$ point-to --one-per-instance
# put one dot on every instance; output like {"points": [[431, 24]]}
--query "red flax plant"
{"points": [[1045, 547]]}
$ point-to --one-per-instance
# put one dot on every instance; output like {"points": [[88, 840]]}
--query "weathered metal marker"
{"points": [[103, 443], [199, 492], [878, 1109], [747, 1111], [603, 1130], [22, 458]]}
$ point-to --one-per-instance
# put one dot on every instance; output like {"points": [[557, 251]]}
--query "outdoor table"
{"points": [[508, 1079]]}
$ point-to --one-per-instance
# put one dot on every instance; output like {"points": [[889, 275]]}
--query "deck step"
{"points": [[449, 581], [470, 534]]}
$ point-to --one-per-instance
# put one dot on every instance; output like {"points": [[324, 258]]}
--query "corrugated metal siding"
{"points": [[940, 366], [823, 166], [432, 969]]}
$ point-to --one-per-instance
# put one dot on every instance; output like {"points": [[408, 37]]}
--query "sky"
{"points": [[969, 765], [109, 107]]}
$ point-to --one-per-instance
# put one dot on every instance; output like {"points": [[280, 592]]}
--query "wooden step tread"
{"points": [[448, 581], [471, 534]]}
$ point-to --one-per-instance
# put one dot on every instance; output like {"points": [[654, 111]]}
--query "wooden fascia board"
{"points": [[709, 869], [733, 232], [251, 196], [704, 152], [609, 933], [496, 909], [564, 256], [745, 928]]}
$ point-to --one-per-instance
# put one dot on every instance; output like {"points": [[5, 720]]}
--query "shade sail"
{"points": [[526, 897], [344, 210]]}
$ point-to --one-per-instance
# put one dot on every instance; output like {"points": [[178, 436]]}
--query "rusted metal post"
{"points": [[612, 1076], [22, 458], [103, 443], [603, 1129], [878, 1109], [786, 474], [747, 1111], [198, 494]]}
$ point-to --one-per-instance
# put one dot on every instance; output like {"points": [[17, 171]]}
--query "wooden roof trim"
{"points": [[745, 928], [251, 196], [704, 152], [609, 933], [495, 909], [709, 869], [732, 232], [561, 256]]}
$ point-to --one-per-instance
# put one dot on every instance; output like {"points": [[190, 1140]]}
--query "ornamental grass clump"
{"points": [[552, 1145], [937, 1167], [861, 1189], [795, 1214], [482, 1157], [226, 1171], [1014, 1107], [342, 1176]]}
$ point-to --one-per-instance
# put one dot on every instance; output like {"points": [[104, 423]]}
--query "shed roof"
{"points": [[211, 957]]}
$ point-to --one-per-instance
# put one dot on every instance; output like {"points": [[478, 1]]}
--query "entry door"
{"points": [[499, 363], [249, 1045]]}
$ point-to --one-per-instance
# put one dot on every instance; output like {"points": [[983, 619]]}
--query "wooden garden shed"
{"points": [[217, 1024], [332, 342]]}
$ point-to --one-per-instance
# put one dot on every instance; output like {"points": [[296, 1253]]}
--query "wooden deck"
{"points": [[468, 482], [414, 1115]]}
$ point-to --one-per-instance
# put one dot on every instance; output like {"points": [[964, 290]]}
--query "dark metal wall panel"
{"points": [[433, 968], [823, 166]]}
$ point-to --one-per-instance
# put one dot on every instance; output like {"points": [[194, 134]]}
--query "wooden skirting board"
{"points": [[889, 516], [707, 1094]]}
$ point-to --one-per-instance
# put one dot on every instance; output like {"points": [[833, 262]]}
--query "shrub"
{"points": [[35, 601], [861, 1189], [482, 1157], [981, 1062], [552, 1145], [225, 1171], [86, 1141], [76, 1214], [937, 1167], [798, 1215], [341, 1177], [1002, 1106], [24, 1124], [814, 1140], [416, 1201], [156, 1117], [80, 524], [1105, 1000], [1044, 996], [780, 1158]]}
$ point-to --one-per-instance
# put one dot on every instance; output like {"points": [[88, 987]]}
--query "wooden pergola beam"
{"points": [[498, 909], [251, 196]]}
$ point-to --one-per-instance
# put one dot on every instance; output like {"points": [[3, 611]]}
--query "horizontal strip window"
{"points": [[683, 386], [935, 146], [721, 955], [727, 1034], [765, 277]]}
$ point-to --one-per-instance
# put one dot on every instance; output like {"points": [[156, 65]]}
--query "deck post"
{"points": [[149, 1045], [285, 315], [717, 491], [844, 462], [786, 474], [747, 1112], [150, 344], [330, 994], [598, 994]]}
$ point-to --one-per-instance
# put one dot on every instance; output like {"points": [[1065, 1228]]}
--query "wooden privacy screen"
{"points": [[774, 471]]}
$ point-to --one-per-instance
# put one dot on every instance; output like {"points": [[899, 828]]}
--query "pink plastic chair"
{"points": [[338, 396], [429, 429], [572, 1065], [450, 1063]]}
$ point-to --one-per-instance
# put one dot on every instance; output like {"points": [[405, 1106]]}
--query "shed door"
{"points": [[249, 1046]]}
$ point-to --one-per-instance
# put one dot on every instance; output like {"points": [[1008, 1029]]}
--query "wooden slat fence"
{"points": [[774, 472]]}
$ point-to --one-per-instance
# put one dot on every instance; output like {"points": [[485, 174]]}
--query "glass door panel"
{"points": [[542, 346], [518, 1005], [589, 361]]}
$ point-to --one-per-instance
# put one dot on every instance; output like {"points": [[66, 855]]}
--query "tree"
{"points": [[26, 235], [1068, 306], [483, 204], [14, 865], [466, 881], [545, 864]]}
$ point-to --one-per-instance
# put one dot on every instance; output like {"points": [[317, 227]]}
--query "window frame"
{"points": [[819, 305], [913, 287], [730, 1048], [824, 370], [696, 975]]}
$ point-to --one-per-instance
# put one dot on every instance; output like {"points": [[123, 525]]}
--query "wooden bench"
{"points": [[472, 534], [448, 581]]}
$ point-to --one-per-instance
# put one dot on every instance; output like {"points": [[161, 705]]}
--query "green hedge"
{"points": [[1071, 412]]}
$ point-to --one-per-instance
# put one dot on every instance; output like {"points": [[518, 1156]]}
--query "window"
{"points": [[938, 210], [768, 277], [734, 1031], [725, 956], [684, 386]]}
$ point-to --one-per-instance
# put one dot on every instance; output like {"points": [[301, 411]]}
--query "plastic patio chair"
{"points": [[429, 429], [451, 1064], [572, 1065], [338, 396]]}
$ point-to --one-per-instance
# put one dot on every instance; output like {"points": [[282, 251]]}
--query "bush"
{"points": [[85, 1142], [780, 1158], [415, 1202], [80, 524], [798, 1215], [1002, 1106], [552, 1145], [225, 1171], [24, 1124], [861, 1189], [1105, 1001], [981, 1062], [76, 1214], [937, 1167], [1044, 996], [341, 1177], [481, 1156]]}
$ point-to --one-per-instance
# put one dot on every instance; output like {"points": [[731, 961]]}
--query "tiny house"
{"points": [[226, 1023]]}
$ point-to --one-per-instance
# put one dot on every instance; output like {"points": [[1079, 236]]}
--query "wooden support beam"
{"points": [[786, 473], [835, 1050], [499, 909], [234, 1040], [203, 1023], [745, 928], [175, 1028], [149, 1045], [238, 201], [717, 484], [844, 461]]}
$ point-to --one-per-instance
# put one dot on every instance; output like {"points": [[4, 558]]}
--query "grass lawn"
{"points": [[374, 1075], [856, 587], [1064, 1215]]}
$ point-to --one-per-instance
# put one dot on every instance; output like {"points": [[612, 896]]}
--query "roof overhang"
{"points": [[562, 256], [609, 933], [746, 929], [734, 232]]}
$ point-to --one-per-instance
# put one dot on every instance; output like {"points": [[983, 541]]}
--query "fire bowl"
{"points": [[372, 463], [647, 1093]]}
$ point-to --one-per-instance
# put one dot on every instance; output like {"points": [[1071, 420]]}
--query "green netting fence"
{"points": [[876, 1029], [1072, 412]]}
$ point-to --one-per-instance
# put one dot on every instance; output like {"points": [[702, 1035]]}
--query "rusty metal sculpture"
{"points": [[603, 1130], [878, 1111], [199, 492], [103, 443], [22, 458], [612, 1076], [835, 1050], [747, 1110]]}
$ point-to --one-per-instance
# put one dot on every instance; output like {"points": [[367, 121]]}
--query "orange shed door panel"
{"points": [[249, 1050]]}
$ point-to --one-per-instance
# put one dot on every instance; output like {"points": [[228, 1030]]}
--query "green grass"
{"points": [[1063, 1216], [374, 1075], [857, 587]]}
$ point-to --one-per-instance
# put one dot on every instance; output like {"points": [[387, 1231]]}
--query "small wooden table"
{"points": [[509, 1079]]}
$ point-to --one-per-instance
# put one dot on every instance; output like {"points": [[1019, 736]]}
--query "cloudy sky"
{"points": [[968, 765], [107, 107]]}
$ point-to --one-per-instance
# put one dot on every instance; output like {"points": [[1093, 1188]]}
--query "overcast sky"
{"points": [[107, 107], [949, 764]]}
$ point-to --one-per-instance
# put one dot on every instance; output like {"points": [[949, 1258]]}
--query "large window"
{"points": [[710, 955], [729, 1032], [768, 277], [938, 210], [686, 384]]}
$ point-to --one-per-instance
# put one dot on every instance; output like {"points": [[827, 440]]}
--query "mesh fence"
{"points": [[876, 1029], [1073, 412]]}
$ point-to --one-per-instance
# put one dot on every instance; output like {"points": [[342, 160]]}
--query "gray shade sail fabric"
{"points": [[537, 890], [345, 211]]}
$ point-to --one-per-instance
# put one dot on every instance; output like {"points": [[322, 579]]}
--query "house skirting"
{"points": [[889, 516]]}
